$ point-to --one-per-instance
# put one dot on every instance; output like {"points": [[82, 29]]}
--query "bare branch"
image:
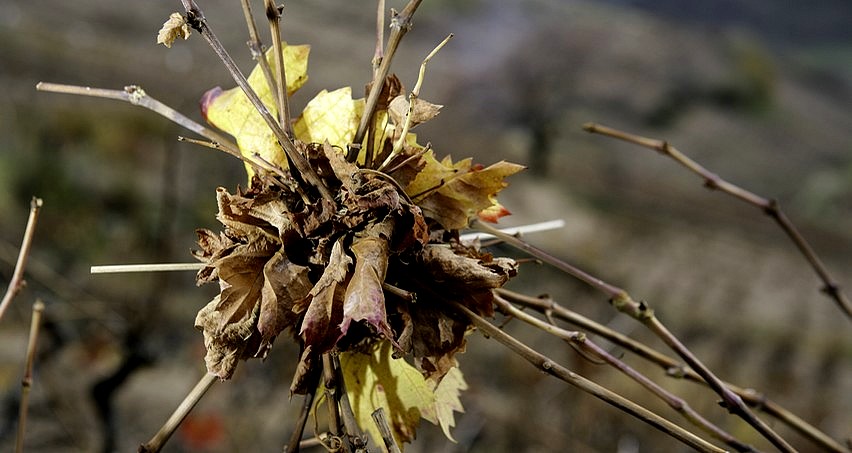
{"points": [[257, 50], [27, 381], [159, 440], [380, 37], [135, 95], [382, 422], [582, 343], [400, 24], [17, 283], [274, 16], [675, 368], [643, 313], [769, 206], [549, 366], [296, 438]]}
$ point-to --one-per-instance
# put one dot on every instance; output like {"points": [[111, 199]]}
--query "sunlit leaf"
{"points": [[378, 380], [330, 116], [447, 401], [231, 110], [452, 193]]}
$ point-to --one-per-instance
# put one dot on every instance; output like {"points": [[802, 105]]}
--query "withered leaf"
{"points": [[452, 193], [326, 297], [423, 110], [284, 285], [463, 272], [213, 247], [241, 278], [226, 342], [365, 299], [302, 377], [175, 27], [432, 336], [246, 217]]}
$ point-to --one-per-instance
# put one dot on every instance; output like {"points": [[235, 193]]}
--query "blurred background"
{"points": [[760, 91]]}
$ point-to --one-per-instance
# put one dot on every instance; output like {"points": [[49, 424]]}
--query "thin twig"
{"points": [[135, 95], [17, 283], [412, 101], [378, 55], [400, 25], [163, 267], [300, 165], [675, 368], [274, 16], [332, 396], [769, 206], [27, 381], [219, 147], [516, 231], [382, 423], [296, 438], [549, 366], [586, 346], [353, 431], [643, 313], [159, 440], [258, 53]]}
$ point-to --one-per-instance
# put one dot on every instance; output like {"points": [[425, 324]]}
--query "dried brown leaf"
{"points": [[365, 299], [175, 27], [463, 272], [226, 342], [319, 327], [284, 285], [423, 110]]}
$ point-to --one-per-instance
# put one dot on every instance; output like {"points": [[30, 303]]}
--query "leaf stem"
{"points": [[17, 283], [382, 423], [258, 53], [159, 440], [295, 440], [769, 206], [642, 312], [549, 366], [27, 381], [412, 101], [274, 16], [400, 25]]}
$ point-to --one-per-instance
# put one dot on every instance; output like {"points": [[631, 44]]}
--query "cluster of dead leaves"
{"points": [[367, 274]]}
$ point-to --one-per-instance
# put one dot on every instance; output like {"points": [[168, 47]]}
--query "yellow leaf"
{"points": [[331, 116], [232, 111], [378, 380], [452, 193], [446, 401], [174, 28]]}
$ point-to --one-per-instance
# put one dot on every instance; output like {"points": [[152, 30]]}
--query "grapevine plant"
{"points": [[347, 245], [346, 240]]}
